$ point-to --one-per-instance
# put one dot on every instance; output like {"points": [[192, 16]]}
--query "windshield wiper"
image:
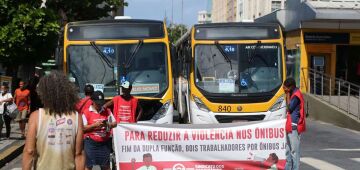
{"points": [[133, 54], [101, 54], [223, 54]]}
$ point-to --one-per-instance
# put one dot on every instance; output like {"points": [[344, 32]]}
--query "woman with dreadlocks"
{"points": [[55, 136]]}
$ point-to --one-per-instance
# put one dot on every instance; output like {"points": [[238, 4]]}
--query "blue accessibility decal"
{"points": [[122, 79], [243, 83]]}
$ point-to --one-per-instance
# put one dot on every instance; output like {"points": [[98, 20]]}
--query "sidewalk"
{"points": [[11, 148]]}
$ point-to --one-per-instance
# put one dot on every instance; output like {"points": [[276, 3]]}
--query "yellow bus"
{"points": [[106, 52], [230, 72]]}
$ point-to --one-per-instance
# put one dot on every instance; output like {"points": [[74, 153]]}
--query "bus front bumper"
{"points": [[198, 116], [164, 118]]}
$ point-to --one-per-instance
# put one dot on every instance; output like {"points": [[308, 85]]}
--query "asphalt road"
{"points": [[324, 146]]}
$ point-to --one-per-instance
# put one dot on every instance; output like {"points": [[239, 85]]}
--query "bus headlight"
{"points": [[277, 105], [162, 111], [200, 104]]}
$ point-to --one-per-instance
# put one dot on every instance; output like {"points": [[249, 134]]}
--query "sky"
{"points": [[157, 9]]}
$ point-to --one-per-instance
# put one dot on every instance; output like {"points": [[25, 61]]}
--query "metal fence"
{"points": [[337, 92]]}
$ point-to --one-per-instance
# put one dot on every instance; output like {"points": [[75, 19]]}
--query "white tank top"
{"points": [[55, 142]]}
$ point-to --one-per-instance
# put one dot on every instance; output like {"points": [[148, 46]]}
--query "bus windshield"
{"points": [[256, 68], [147, 71]]}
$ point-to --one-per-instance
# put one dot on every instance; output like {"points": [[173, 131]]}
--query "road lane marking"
{"points": [[319, 164], [339, 149], [355, 159]]}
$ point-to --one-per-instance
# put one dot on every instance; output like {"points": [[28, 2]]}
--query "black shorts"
{"points": [[97, 153]]}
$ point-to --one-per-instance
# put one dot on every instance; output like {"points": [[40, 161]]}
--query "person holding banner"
{"points": [[97, 125], [295, 123], [126, 107]]}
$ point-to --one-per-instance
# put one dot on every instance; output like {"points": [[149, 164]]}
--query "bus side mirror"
{"points": [[188, 55]]}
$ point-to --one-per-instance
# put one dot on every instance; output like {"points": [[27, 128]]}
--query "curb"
{"points": [[11, 152]]}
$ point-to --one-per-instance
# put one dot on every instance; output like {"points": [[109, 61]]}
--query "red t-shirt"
{"points": [[125, 110], [100, 134], [83, 105], [22, 99]]}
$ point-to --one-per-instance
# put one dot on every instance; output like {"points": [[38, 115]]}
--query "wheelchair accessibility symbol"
{"points": [[243, 83]]}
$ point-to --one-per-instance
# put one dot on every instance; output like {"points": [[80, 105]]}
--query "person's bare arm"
{"points": [[140, 112], [108, 104], [29, 102], [113, 125], [6, 100], [79, 148], [89, 128], [287, 98], [14, 98], [29, 151], [10, 99]]}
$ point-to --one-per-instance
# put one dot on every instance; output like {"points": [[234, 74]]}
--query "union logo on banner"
{"points": [[179, 167]]}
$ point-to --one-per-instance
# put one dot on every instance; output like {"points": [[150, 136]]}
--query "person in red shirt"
{"points": [[85, 102], [126, 107], [97, 125], [22, 101]]}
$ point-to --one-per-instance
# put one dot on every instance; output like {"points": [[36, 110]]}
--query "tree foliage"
{"points": [[27, 32], [78, 10], [175, 31]]}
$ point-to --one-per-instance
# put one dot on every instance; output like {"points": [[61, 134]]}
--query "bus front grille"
{"points": [[230, 119]]}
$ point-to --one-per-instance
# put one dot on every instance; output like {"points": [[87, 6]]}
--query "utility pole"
{"points": [[182, 11], [182, 15], [172, 13]]}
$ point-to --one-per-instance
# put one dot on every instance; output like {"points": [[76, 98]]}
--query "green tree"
{"points": [[28, 32], [175, 31], [78, 10]]}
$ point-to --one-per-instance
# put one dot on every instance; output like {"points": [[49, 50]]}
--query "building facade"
{"points": [[323, 35], [249, 10], [223, 11], [204, 17]]}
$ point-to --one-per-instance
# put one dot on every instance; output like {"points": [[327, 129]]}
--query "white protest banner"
{"points": [[231, 146]]}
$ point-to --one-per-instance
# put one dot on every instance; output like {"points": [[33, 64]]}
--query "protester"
{"points": [[85, 102], [97, 125], [5, 98], [55, 135], [147, 159], [126, 107], [22, 101], [295, 123]]}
